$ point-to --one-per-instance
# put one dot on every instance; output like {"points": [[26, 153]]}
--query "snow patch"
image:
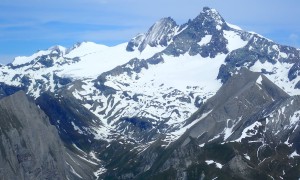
{"points": [[228, 130], [234, 26], [295, 118], [76, 147], [218, 165], [76, 128], [100, 171], [247, 156], [259, 35], [234, 40], [249, 131], [294, 154], [278, 75], [259, 80], [73, 171], [205, 40]]}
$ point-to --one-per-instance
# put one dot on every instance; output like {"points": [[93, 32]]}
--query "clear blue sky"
{"points": [[29, 25]]}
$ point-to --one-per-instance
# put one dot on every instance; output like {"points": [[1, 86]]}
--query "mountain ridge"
{"points": [[205, 46], [155, 106]]}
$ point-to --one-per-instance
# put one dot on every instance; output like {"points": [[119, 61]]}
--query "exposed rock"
{"points": [[30, 146]]}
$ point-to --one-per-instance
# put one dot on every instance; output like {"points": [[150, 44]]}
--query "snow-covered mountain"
{"points": [[161, 87]]}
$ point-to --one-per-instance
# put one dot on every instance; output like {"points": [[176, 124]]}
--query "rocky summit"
{"points": [[201, 100]]}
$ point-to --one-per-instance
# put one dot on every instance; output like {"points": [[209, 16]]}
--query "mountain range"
{"points": [[201, 100]]}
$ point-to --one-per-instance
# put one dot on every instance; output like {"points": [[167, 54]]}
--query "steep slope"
{"points": [[76, 124], [232, 104], [30, 146], [247, 130], [160, 34]]}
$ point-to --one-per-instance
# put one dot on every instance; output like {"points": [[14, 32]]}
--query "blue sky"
{"points": [[31, 25]]}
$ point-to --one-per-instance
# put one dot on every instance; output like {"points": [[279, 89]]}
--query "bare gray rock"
{"points": [[30, 147]]}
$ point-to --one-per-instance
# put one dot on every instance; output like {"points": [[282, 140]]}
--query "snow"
{"points": [[59, 48], [182, 29], [158, 30], [102, 132], [227, 130], [87, 160], [176, 134], [72, 159], [96, 59], [247, 156], [287, 141], [76, 147], [259, 80], [215, 137], [76, 128], [259, 35], [73, 171], [209, 162], [100, 171], [205, 40], [283, 55], [247, 133], [218, 165], [218, 27], [158, 88], [85, 49], [295, 118], [294, 154], [26, 59], [216, 16], [279, 75], [138, 40], [93, 156], [234, 40], [183, 71], [234, 26]]}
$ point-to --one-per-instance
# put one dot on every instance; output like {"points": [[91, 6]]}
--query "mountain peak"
{"points": [[160, 33], [165, 21], [58, 49], [209, 15]]}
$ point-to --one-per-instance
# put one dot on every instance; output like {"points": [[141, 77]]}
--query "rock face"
{"points": [[30, 146], [160, 34], [241, 97], [72, 120]]}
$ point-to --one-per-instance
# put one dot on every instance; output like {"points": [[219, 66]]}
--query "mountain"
{"points": [[247, 130], [171, 101], [31, 147]]}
